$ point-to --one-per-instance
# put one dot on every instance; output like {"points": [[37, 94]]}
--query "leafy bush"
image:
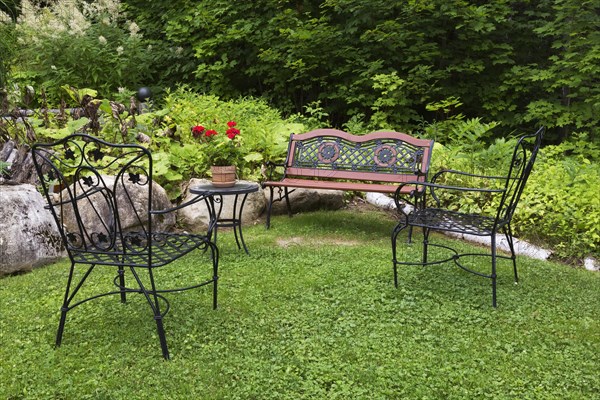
{"points": [[7, 49], [83, 44], [561, 204], [178, 155]]}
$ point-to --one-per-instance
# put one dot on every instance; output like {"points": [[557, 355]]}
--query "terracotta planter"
{"points": [[223, 176]]}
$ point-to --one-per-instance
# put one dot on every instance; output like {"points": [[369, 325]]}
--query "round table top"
{"points": [[238, 188]]}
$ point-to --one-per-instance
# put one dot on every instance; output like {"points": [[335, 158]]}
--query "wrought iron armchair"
{"points": [[104, 209], [502, 191]]}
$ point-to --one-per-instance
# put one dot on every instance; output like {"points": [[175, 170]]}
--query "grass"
{"points": [[312, 313]]}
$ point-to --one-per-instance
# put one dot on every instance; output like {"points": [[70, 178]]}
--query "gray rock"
{"points": [[303, 200], [97, 209], [195, 217], [28, 234]]}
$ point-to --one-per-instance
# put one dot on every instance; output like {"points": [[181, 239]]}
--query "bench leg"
{"points": [[287, 202], [269, 206]]}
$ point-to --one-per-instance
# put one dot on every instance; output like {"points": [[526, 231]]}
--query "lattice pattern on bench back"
{"points": [[378, 156]]}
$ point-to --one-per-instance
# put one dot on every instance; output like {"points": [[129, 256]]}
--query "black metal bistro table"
{"points": [[215, 196]]}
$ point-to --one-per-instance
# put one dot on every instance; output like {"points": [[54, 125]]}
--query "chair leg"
{"points": [[61, 325], [493, 276], [395, 233], [68, 298], [215, 257], [509, 239], [122, 284], [153, 301], [410, 234], [161, 336], [425, 244]]}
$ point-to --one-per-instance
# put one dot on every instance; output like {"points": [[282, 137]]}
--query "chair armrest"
{"points": [[465, 174], [422, 188]]}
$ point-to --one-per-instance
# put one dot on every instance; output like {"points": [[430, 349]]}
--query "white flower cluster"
{"points": [[65, 16], [4, 18], [134, 29]]}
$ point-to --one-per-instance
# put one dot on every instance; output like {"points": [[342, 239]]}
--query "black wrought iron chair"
{"points": [[104, 209], [446, 215]]}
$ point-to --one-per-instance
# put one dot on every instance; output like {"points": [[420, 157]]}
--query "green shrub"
{"points": [[8, 49], [561, 204], [82, 44], [177, 154], [264, 133]]}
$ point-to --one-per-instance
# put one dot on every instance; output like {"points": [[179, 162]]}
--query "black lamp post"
{"points": [[143, 94]]}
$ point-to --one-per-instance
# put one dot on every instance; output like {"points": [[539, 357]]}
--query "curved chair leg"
{"points": [[509, 239], [215, 259], [395, 233], [153, 301]]}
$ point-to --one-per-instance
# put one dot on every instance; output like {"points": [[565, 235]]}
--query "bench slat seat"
{"points": [[336, 185]]}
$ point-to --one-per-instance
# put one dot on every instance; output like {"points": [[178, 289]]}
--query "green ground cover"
{"points": [[312, 313]]}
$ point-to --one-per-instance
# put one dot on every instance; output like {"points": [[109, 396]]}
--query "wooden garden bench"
{"points": [[336, 160]]}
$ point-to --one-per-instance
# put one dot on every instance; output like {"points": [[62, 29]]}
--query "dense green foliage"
{"points": [[468, 74], [561, 205], [517, 62], [521, 63], [8, 49], [92, 45], [312, 313]]}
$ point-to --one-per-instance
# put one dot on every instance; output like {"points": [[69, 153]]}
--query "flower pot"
{"points": [[223, 176]]}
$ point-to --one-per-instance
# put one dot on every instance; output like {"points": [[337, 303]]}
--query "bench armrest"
{"points": [[269, 169]]}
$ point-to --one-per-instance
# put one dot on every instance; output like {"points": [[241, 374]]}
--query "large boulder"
{"points": [[195, 217], [28, 234], [303, 200], [96, 209]]}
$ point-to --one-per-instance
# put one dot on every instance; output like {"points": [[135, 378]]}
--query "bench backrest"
{"points": [[379, 156]]}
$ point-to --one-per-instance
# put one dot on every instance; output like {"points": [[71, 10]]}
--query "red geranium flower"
{"points": [[197, 130], [219, 149], [232, 132]]}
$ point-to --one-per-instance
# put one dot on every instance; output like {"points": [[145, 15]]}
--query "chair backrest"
{"points": [[520, 168], [93, 187]]}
